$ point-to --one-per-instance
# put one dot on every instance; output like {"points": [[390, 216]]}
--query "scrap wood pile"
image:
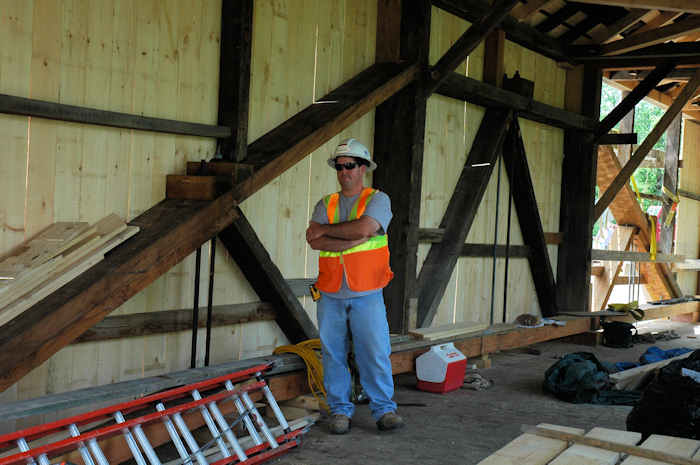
{"points": [[38, 267]]}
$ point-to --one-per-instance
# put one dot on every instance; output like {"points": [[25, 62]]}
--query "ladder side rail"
{"points": [[39, 431], [228, 433], [72, 442], [211, 425], [259, 420], [246, 417], [172, 432], [130, 441], [84, 452]]}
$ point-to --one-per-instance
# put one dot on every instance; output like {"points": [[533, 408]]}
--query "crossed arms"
{"points": [[341, 236]]}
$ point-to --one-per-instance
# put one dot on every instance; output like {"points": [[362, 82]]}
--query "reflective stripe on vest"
{"points": [[366, 266]]}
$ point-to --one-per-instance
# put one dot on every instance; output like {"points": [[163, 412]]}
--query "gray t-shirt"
{"points": [[378, 208]]}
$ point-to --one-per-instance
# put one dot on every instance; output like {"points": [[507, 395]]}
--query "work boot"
{"points": [[390, 421], [339, 423]]}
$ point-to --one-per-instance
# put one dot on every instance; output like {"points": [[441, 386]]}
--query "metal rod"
{"points": [[495, 241], [272, 402], [84, 452], [210, 299], [505, 272], [195, 308], [170, 427], [130, 441], [209, 420]]}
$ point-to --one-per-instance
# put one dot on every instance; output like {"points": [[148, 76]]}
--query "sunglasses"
{"points": [[348, 166]]}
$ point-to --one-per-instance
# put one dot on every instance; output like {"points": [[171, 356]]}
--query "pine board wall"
{"points": [[160, 58]]}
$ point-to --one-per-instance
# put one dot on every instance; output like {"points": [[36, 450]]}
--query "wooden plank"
{"points": [[461, 210], [687, 6], [234, 76], [616, 255], [652, 37], [434, 235], [663, 456], [62, 276], [480, 93], [169, 321], [447, 331], [604, 285], [632, 378], [679, 447], [471, 38], [688, 194], [632, 99], [522, 11], [670, 183], [494, 54], [46, 245], [577, 194], [578, 454], [520, 33], [557, 18], [580, 29], [529, 449], [641, 152], [245, 248], [76, 114], [655, 312], [525, 202], [401, 177]]}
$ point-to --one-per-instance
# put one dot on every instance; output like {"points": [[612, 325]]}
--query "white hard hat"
{"points": [[351, 148]]}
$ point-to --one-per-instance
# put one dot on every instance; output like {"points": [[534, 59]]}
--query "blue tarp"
{"points": [[653, 354]]}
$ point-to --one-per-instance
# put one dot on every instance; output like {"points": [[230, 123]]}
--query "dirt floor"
{"points": [[464, 426]]}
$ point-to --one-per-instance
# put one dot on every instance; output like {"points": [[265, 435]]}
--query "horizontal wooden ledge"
{"points": [[622, 256], [75, 114], [486, 95], [434, 236], [688, 194]]}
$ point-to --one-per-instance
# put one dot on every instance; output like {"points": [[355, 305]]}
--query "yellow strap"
{"points": [[674, 197], [674, 206], [636, 189], [652, 237]]}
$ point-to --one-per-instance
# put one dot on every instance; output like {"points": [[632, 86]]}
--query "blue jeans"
{"points": [[366, 316]]}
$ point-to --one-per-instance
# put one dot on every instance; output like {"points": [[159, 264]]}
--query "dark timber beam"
{"points": [[652, 37], [234, 76], [170, 321], [623, 176], [489, 96], [618, 139], [579, 29], [252, 258], [472, 37], [58, 111], [682, 74], [520, 33], [632, 99], [673, 146], [578, 194], [403, 33], [557, 18], [515, 161], [683, 55], [459, 216], [621, 25], [173, 229]]}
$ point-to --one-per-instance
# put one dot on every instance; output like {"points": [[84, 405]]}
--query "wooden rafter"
{"points": [[471, 38], [516, 31], [524, 10], [173, 229], [619, 26], [234, 76], [528, 214], [641, 152], [265, 278], [652, 37], [557, 18], [688, 6], [401, 177], [461, 210], [632, 99], [660, 19]]}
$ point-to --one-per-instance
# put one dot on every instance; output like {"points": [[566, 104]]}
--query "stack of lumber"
{"points": [[54, 257], [628, 380], [561, 445]]}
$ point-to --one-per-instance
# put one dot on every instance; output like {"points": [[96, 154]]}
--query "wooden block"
{"points": [[682, 447], [529, 449], [307, 401], [238, 171], [631, 379], [196, 187], [579, 454], [446, 331]]}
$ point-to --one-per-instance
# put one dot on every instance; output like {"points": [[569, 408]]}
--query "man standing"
{"points": [[349, 229]]}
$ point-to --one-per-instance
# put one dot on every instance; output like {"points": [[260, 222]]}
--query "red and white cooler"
{"points": [[441, 369]]}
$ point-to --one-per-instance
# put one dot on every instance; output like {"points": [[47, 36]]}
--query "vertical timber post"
{"points": [[673, 149], [234, 76], [403, 34], [578, 182]]}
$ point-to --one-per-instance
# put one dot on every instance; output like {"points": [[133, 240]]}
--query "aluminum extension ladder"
{"points": [[112, 422]]}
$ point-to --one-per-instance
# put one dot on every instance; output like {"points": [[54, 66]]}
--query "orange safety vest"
{"points": [[366, 266]]}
